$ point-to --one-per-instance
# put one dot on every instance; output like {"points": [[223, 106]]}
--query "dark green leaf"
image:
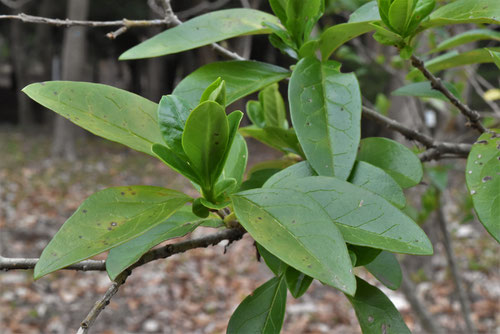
{"points": [[483, 180], [376, 313], [422, 11], [364, 218], [301, 16], [176, 162], [242, 78], [364, 255], [297, 282], [467, 37], [205, 140], [203, 30], [277, 266], [297, 171], [424, 89], [400, 13], [385, 267], [255, 113], [280, 220], [215, 92], [335, 36], [273, 107], [284, 140], [173, 112], [394, 158], [236, 162], [258, 178], [465, 11], [279, 8], [261, 312], [383, 6], [199, 208], [105, 220], [179, 224], [325, 106], [377, 181], [105, 111]]}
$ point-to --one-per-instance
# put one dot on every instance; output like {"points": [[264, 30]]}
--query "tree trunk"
{"points": [[25, 118], [73, 68]]}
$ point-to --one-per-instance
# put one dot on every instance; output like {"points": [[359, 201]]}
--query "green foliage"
{"points": [[203, 30], [108, 219], [332, 202], [483, 180]]}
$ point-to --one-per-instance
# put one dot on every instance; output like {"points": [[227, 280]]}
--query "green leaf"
{"points": [[173, 112], [258, 178], [105, 111], [255, 113], [455, 59], [495, 55], [236, 162], [205, 140], [176, 162], [394, 158], [383, 6], [179, 224], [364, 218], [277, 266], [375, 312], [215, 92], [377, 181], [467, 37], [279, 8], [400, 13], [301, 16], [385, 267], [368, 12], [280, 220], [483, 180], [297, 171], [262, 311], [424, 89], [238, 167], [273, 107], [422, 10], [225, 187], [284, 140], [465, 11], [364, 255], [203, 30], [359, 23], [199, 208], [385, 36], [105, 220], [325, 106], [242, 78], [335, 36], [297, 282]]}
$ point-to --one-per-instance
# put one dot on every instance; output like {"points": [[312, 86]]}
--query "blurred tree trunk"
{"points": [[156, 71], [73, 68], [18, 54]]}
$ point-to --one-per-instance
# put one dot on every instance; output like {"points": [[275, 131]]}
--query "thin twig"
{"points": [[455, 273], [160, 253], [437, 84], [435, 149], [29, 263], [69, 23]]}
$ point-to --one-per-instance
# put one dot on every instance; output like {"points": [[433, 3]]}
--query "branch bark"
{"points": [[436, 83]]}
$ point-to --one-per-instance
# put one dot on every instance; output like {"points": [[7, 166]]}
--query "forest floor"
{"points": [[194, 292]]}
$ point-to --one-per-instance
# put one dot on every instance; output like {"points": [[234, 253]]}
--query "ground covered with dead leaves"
{"points": [[194, 292]]}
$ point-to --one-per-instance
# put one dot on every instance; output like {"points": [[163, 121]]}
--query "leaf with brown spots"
{"points": [[108, 219]]}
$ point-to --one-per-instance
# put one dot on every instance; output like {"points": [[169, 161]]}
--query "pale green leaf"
{"points": [[467, 37], [242, 78], [465, 11], [108, 219], [105, 111], [325, 106], [203, 30]]}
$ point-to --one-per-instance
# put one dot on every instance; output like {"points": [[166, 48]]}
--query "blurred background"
{"points": [[49, 166]]}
